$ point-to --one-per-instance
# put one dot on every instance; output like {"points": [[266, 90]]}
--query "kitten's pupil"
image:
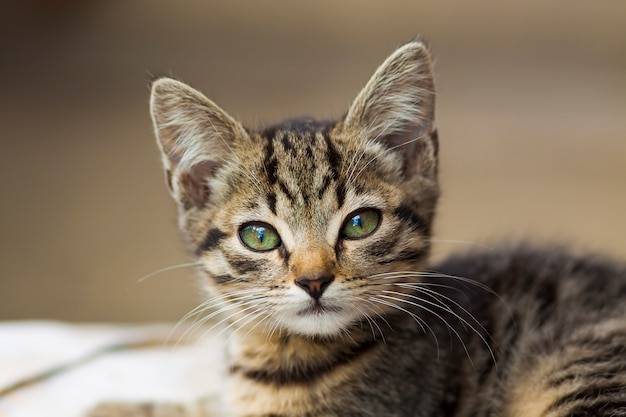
{"points": [[260, 237], [360, 224]]}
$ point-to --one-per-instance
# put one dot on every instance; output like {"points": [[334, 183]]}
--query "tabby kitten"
{"points": [[313, 240]]}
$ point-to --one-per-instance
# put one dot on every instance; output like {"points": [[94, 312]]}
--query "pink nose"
{"points": [[315, 287]]}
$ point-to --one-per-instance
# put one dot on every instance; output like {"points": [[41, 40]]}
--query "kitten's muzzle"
{"points": [[316, 286]]}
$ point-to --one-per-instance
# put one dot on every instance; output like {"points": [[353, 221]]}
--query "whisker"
{"points": [[436, 295], [440, 318], [382, 335], [444, 307], [207, 305], [166, 269], [267, 316], [229, 305], [480, 285], [199, 323], [275, 327], [370, 322], [211, 303], [254, 313], [414, 285], [253, 305], [435, 274], [417, 319]]}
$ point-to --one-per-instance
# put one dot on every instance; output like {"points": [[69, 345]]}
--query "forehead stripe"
{"points": [[269, 162], [271, 201], [334, 161]]}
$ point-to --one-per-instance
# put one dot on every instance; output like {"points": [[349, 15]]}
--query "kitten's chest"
{"points": [[355, 376], [250, 396], [296, 377]]}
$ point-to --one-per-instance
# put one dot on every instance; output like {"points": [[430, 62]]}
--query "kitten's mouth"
{"points": [[318, 309]]}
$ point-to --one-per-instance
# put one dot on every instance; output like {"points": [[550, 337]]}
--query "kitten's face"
{"points": [[302, 228]]}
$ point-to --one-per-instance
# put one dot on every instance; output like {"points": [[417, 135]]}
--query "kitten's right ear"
{"points": [[397, 108], [195, 137]]}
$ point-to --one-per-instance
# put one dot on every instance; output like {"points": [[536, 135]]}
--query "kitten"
{"points": [[313, 239]]}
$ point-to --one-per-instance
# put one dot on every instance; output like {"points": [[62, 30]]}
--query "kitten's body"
{"points": [[556, 348], [314, 237]]}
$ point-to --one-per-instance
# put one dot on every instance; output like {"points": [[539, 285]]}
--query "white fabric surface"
{"points": [[100, 363]]}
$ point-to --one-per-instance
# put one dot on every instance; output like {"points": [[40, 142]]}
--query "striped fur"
{"points": [[516, 332]]}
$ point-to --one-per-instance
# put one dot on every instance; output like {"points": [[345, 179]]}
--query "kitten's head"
{"points": [[303, 227]]}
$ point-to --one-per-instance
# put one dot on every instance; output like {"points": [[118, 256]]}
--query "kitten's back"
{"points": [[557, 323]]}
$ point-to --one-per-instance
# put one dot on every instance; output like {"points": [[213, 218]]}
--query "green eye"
{"points": [[259, 236], [360, 224]]}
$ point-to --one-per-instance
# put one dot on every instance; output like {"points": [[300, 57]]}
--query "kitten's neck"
{"points": [[280, 359]]}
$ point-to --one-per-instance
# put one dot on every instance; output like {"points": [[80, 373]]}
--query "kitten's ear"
{"points": [[195, 137], [397, 108]]}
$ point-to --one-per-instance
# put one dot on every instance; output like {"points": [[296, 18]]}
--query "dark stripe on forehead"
{"points": [[269, 161], [270, 132], [271, 201], [288, 145], [333, 157], [414, 220], [285, 190], [211, 241], [341, 194], [324, 187], [334, 162]]}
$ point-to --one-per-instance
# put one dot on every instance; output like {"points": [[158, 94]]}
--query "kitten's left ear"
{"points": [[397, 108], [196, 138]]}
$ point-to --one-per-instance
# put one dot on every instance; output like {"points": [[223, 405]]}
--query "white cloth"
{"points": [[60, 369]]}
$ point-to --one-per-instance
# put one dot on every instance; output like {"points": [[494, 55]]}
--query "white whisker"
{"points": [[370, 322], [250, 305], [444, 307], [166, 269], [415, 317], [254, 313], [450, 327], [418, 319], [230, 305], [382, 335]]}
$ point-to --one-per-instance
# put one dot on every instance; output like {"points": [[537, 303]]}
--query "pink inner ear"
{"points": [[194, 184]]}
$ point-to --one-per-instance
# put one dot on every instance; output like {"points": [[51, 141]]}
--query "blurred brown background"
{"points": [[531, 110]]}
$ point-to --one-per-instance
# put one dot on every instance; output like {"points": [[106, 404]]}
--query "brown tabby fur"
{"points": [[509, 332]]}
